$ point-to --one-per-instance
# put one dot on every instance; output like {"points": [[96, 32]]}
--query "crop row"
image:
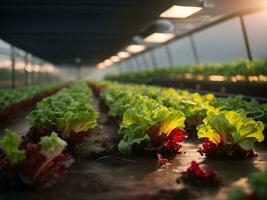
{"points": [[8, 97], [59, 121], [242, 70], [157, 118], [153, 119]]}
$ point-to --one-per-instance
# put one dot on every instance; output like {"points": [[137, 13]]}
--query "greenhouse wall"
{"points": [[28, 69], [181, 52], [257, 31], [221, 43]]}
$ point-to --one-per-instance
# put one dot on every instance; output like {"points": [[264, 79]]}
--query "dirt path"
{"points": [[101, 173]]}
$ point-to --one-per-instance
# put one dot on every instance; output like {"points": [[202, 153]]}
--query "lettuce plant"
{"points": [[146, 122], [153, 125], [32, 164], [9, 97], [229, 133], [9, 144], [193, 105], [251, 108], [241, 67], [70, 112]]}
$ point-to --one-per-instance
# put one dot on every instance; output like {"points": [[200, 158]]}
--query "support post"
{"points": [[139, 67], [13, 72], [120, 67], [244, 30], [33, 71], [168, 51], [25, 69], [144, 61], [193, 45], [153, 60], [132, 65]]}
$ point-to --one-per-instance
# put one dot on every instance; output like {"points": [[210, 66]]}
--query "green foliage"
{"points": [[231, 127], [237, 194], [138, 119], [259, 182], [12, 96], [70, 110], [140, 113], [52, 145], [252, 108], [9, 144], [241, 67]]}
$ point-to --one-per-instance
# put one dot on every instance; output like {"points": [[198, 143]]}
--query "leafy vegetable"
{"points": [[193, 105], [34, 164], [251, 108], [52, 146], [231, 128], [9, 144], [68, 112], [241, 68], [51, 160], [145, 122], [18, 95], [138, 120]]}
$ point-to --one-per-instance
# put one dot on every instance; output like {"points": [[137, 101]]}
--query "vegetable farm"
{"points": [[133, 100], [127, 126]]}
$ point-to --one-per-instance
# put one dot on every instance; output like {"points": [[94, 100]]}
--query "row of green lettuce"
{"points": [[70, 113], [18, 95], [58, 123], [241, 68], [153, 117]]}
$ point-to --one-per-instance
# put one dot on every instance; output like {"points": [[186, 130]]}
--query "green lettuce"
{"points": [[231, 127], [9, 144], [80, 119], [69, 110], [252, 108], [52, 146], [139, 118]]}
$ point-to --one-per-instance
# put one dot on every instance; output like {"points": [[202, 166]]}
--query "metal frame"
{"points": [[26, 60], [33, 71], [168, 51], [244, 31], [189, 34], [154, 62], [194, 49], [139, 67], [13, 63]]}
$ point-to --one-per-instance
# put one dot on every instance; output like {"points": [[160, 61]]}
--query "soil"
{"points": [[101, 172]]}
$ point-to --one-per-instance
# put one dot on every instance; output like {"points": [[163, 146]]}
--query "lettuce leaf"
{"points": [[69, 111], [80, 119], [138, 119], [52, 145], [9, 144], [251, 108], [230, 127]]}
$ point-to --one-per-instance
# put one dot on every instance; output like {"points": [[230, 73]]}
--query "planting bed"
{"points": [[101, 172]]}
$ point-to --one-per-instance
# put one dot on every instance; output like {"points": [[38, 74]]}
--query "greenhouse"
{"points": [[131, 99]]}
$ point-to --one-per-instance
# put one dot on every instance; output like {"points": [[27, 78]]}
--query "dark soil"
{"points": [[101, 172]]}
